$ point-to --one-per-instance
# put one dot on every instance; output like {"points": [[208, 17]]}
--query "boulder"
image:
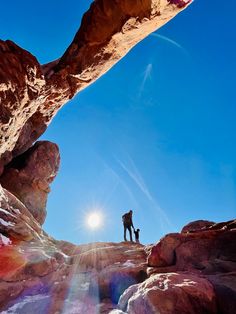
{"points": [[225, 290], [28, 177], [201, 250], [170, 293], [207, 252], [163, 253], [197, 225]]}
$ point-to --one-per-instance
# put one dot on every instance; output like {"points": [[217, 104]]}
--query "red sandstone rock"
{"points": [[170, 293], [36, 275], [81, 281], [21, 82], [163, 254], [197, 226], [225, 290], [25, 255], [29, 176], [30, 94], [208, 252], [41, 275], [204, 250]]}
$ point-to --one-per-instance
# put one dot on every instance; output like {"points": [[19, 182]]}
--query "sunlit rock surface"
{"points": [[170, 293], [189, 272], [36, 274], [31, 94], [41, 274]]}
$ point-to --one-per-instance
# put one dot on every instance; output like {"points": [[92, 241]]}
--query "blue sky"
{"points": [[156, 134]]}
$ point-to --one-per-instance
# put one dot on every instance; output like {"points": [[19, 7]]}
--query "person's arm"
{"points": [[132, 225]]}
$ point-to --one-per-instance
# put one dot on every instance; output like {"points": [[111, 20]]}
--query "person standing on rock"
{"points": [[128, 223]]}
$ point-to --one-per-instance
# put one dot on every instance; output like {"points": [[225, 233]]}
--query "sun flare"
{"points": [[94, 220]]}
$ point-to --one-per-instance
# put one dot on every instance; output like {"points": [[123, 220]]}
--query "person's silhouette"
{"points": [[128, 223], [136, 233]]}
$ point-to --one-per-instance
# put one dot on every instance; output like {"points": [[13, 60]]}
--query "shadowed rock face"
{"points": [[189, 272], [208, 252], [21, 82], [28, 177], [31, 94]]}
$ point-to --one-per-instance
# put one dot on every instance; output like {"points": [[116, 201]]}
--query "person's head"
{"points": [[131, 212], [138, 230]]}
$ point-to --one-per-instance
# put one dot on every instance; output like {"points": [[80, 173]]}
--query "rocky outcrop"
{"points": [[21, 83], [31, 94], [204, 250], [189, 272], [197, 225], [28, 177], [35, 273], [201, 261], [176, 293], [41, 274]]}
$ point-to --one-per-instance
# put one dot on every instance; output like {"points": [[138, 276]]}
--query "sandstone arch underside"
{"points": [[31, 94], [192, 271]]}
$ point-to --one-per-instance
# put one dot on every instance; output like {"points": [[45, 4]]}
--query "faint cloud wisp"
{"points": [[147, 75], [171, 41], [135, 175]]}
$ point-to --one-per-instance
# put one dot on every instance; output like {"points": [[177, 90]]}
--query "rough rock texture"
{"points": [[21, 82], [207, 253], [29, 175], [39, 274], [177, 293], [189, 272], [196, 225], [31, 94], [204, 249], [36, 274]]}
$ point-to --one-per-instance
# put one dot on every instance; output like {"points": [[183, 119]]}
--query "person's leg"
{"points": [[130, 233], [125, 228]]}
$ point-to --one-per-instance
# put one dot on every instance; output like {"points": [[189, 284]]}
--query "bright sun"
{"points": [[94, 220]]}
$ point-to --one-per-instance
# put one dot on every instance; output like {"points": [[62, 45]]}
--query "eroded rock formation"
{"points": [[189, 272], [39, 273], [31, 94], [36, 273], [29, 175]]}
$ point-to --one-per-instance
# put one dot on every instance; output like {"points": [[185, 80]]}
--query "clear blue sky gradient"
{"points": [[156, 134]]}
